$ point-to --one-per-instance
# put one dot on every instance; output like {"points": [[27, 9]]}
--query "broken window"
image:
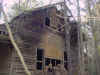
{"points": [[39, 65], [65, 56], [65, 61], [58, 62], [47, 21], [54, 62], [40, 54], [47, 61]]}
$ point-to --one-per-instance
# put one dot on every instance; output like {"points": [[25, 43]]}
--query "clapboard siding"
{"points": [[30, 33]]}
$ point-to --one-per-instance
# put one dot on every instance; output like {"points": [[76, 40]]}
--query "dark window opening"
{"points": [[65, 61], [53, 61], [47, 21], [0, 32], [65, 56], [47, 61], [39, 65], [58, 62], [39, 54]]}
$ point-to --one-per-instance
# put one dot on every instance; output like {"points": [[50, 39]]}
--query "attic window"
{"points": [[47, 21]]}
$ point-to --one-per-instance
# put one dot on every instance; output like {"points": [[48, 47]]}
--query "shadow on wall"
{"points": [[4, 55], [29, 26]]}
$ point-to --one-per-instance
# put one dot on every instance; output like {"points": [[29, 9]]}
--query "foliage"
{"points": [[98, 47], [20, 6]]}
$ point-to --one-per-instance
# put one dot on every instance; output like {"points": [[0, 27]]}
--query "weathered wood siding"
{"points": [[30, 33], [53, 44], [5, 58]]}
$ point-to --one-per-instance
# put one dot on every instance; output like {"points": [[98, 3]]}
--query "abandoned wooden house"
{"points": [[40, 35]]}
